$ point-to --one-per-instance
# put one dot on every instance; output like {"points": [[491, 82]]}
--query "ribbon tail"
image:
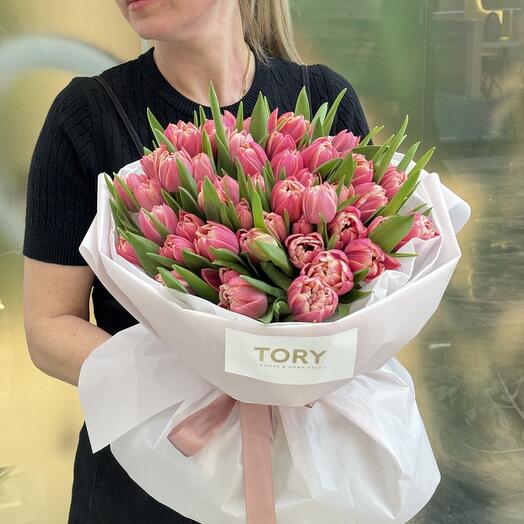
{"points": [[256, 428]]}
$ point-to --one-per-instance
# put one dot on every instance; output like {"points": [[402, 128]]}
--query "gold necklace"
{"points": [[244, 83]]}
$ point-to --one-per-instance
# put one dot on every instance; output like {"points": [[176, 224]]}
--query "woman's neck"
{"points": [[190, 65]]}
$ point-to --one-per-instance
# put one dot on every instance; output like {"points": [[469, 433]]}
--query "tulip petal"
{"points": [[199, 286]]}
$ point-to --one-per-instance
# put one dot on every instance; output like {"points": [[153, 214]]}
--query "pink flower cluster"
{"points": [[307, 237]]}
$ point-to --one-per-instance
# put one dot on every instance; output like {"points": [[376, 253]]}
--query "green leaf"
{"points": [[302, 105], [422, 162], [428, 211], [280, 307], [275, 275], [258, 212], [344, 171], [240, 117], [165, 261], [276, 255], [162, 230], [328, 122], [153, 122], [211, 201], [353, 296], [347, 203], [202, 114], [170, 280], [170, 201], [147, 151], [262, 286], [224, 159], [343, 310], [220, 130], [268, 317], [380, 168], [195, 119], [186, 180], [375, 131], [110, 185], [322, 229], [195, 262], [231, 265], [332, 242], [317, 131], [201, 288], [225, 254], [127, 191], [207, 149], [359, 276], [391, 231], [368, 151], [259, 118], [189, 204], [408, 157], [327, 167], [404, 255], [142, 247], [162, 139]]}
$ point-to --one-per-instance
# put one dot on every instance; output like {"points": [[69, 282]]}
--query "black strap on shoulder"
{"points": [[305, 82], [123, 115]]}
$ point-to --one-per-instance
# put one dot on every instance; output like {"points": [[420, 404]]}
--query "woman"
{"points": [[244, 47]]}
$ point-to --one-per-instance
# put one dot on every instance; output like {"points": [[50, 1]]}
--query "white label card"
{"points": [[291, 360]]}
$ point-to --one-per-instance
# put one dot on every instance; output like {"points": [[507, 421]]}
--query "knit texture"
{"points": [[83, 136]]}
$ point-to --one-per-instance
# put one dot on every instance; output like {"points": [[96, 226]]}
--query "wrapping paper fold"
{"points": [[359, 454]]}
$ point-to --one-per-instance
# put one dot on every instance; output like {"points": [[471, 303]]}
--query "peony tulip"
{"points": [[168, 169], [227, 189], [127, 251], [249, 153], [238, 296], [311, 299], [288, 160], [278, 142], [250, 239], [147, 191], [371, 198], [187, 225], [307, 178], [128, 202], [243, 212], [293, 125], [347, 227], [275, 225], [150, 162], [215, 235], [258, 181], [422, 228], [345, 141], [287, 195], [165, 215], [364, 254], [392, 181], [333, 269], [320, 202], [185, 135], [302, 226], [319, 152], [302, 249], [201, 167], [363, 170], [346, 193], [173, 247]]}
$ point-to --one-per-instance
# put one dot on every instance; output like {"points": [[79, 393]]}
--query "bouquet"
{"points": [[275, 271]]}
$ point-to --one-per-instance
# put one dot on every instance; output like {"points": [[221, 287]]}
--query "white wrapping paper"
{"points": [[361, 454]]}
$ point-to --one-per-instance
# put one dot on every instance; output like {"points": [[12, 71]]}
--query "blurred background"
{"points": [[457, 68]]}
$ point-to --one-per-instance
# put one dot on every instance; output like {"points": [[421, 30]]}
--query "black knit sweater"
{"points": [[83, 136]]}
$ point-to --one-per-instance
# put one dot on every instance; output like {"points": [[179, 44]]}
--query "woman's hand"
{"points": [[56, 317]]}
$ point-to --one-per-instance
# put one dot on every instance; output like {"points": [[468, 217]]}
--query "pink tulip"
{"points": [[227, 189], [217, 236], [302, 249], [319, 152], [347, 227], [307, 178], [128, 202], [173, 248], [275, 225], [364, 254], [238, 296], [278, 142], [165, 215], [320, 202], [201, 167], [345, 141], [258, 181], [241, 237], [302, 226], [174, 272], [346, 193], [250, 154], [363, 170], [310, 299], [332, 268], [225, 274], [187, 225], [146, 190], [422, 228], [168, 169], [185, 135], [211, 277], [229, 120], [371, 198], [287, 195], [272, 121], [288, 160], [250, 239], [150, 162], [392, 181], [243, 212], [293, 125], [127, 251]]}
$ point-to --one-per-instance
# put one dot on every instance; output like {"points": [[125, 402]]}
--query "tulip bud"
{"points": [[126, 250], [363, 170], [147, 191], [251, 239], [243, 212], [278, 142], [201, 167], [371, 198], [364, 254], [173, 248], [287, 196], [293, 125], [320, 202], [422, 228], [288, 160], [217, 236], [238, 296], [249, 153], [185, 135], [165, 215], [275, 225], [302, 226], [187, 225], [345, 141], [319, 152], [392, 181]]}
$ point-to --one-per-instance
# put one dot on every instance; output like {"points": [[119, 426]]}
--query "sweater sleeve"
{"points": [[350, 114], [61, 187]]}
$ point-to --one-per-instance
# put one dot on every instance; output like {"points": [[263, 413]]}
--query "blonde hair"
{"points": [[268, 29]]}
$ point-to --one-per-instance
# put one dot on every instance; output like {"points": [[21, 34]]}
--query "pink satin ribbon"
{"points": [[196, 431]]}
